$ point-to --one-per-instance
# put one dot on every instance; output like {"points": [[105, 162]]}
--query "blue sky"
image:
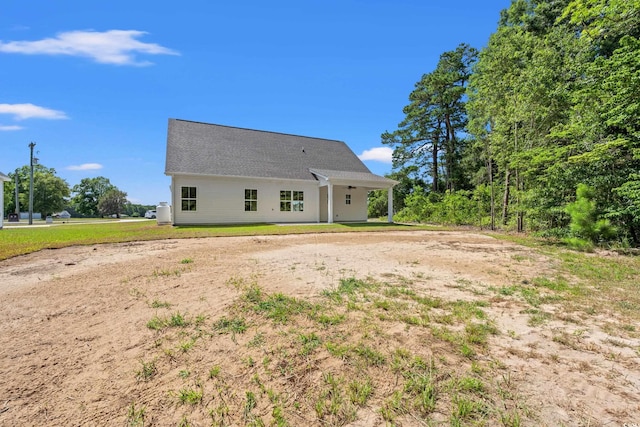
{"points": [[94, 83]]}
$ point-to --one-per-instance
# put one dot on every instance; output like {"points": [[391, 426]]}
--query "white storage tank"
{"points": [[163, 213]]}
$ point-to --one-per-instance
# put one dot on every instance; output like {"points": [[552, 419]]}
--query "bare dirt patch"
{"points": [[77, 348]]}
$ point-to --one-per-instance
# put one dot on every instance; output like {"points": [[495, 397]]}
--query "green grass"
{"points": [[177, 320], [235, 325], [581, 286], [309, 343], [147, 371], [250, 403], [360, 391], [160, 304], [190, 396], [281, 308], [23, 240], [283, 369], [135, 416], [214, 372]]}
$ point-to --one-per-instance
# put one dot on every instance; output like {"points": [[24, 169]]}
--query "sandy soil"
{"points": [[74, 320]]}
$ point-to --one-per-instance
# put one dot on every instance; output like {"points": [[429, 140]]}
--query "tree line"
{"points": [[537, 131], [92, 197]]}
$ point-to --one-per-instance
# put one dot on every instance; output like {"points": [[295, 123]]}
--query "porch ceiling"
{"points": [[355, 179]]}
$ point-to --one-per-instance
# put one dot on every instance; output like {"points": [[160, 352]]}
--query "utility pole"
{"points": [[33, 144], [17, 193]]}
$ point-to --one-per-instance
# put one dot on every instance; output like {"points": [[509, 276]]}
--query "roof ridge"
{"points": [[259, 130]]}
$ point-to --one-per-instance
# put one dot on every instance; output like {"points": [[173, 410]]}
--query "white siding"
{"points": [[356, 211], [324, 204], [221, 200]]}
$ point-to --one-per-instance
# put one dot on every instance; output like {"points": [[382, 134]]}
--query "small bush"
{"points": [[578, 244], [585, 223]]}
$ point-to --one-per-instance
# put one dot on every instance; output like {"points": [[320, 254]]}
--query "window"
{"points": [[188, 198], [250, 200], [291, 201], [285, 201], [347, 200], [298, 201]]}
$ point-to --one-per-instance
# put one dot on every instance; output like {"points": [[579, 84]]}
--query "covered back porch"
{"points": [[343, 195]]}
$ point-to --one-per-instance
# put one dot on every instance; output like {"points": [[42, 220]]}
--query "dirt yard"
{"points": [[77, 348]]}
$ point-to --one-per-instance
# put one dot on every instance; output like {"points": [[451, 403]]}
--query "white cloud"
{"points": [[30, 111], [4, 128], [85, 167], [117, 47], [378, 154]]}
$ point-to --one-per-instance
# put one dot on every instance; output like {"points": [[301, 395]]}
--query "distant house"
{"points": [[221, 174], [63, 215], [3, 179]]}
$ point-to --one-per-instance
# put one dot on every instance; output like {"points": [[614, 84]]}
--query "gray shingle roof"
{"points": [[209, 149], [4, 177]]}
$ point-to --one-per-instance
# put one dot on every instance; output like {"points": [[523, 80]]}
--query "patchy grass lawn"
{"points": [[325, 329]]}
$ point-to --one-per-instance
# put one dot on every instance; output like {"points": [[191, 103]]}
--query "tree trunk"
{"points": [[434, 172], [493, 201], [520, 221], [449, 149], [518, 207], [634, 234], [520, 187], [505, 199]]}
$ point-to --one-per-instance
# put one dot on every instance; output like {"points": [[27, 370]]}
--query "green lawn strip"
{"points": [[24, 240]]}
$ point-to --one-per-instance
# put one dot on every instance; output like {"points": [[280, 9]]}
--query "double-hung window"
{"points": [[188, 198], [347, 199], [250, 200], [291, 201], [285, 201]]}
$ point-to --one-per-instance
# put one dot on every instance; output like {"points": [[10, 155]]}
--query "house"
{"points": [[222, 174], [62, 214], [3, 179]]}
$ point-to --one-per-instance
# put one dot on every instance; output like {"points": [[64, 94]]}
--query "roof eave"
{"points": [[377, 181], [270, 178]]}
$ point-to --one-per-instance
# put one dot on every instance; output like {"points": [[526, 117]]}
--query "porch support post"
{"points": [[172, 190], [2, 203], [330, 203], [390, 205]]}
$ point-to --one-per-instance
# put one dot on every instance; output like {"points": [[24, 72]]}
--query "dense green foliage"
{"points": [[408, 180], [112, 201], [88, 193], [92, 197], [49, 191], [136, 210], [585, 225], [430, 135], [552, 104]]}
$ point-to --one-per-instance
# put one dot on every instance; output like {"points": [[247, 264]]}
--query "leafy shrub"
{"points": [[578, 244], [451, 208], [585, 223]]}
